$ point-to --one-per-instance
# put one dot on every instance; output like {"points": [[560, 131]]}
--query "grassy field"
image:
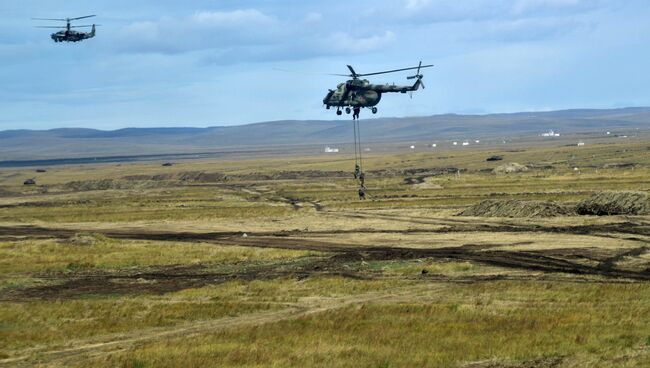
{"points": [[275, 262]]}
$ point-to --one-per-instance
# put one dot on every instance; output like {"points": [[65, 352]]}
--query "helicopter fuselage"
{"points": [[361, 93], [353, 93], [71, 36]]}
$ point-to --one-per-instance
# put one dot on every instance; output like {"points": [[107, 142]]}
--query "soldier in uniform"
{"points": [[362, 192], [355, 115], [362, 178], [357, 171]]}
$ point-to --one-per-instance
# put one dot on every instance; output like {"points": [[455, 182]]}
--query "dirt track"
{"points": [[340, 259]]}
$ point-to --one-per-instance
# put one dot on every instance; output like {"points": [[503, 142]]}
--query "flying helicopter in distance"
{"points": [[69, 34], [360, 93]]}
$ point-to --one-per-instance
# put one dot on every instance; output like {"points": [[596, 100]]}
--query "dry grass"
{"points": [[436, 324], [505, 320], [95, 252]]}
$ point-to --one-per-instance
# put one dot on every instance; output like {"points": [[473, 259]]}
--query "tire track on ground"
{"points": [[83, 350]]}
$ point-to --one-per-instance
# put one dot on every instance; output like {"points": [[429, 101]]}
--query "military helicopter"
{"points": [[70, 35], [361, 93]]}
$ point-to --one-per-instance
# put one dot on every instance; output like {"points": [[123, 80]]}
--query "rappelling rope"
{"points": [[356, 152], [358, 143]]}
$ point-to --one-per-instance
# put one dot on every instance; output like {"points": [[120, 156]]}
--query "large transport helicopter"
{"points": [[69, 34], [361, 93]]}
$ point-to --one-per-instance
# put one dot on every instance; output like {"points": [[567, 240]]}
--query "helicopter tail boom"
{"points": [[391, 88]]}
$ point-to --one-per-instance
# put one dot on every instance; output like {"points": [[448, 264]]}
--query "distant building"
{"points": [[465, 143], [477, 141], [580, 144], [550, 133], [331, 150], [412, 147], [455, 143], [434, 145]]}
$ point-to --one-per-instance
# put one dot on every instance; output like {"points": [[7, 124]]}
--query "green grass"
{"points": [[38, 256]]}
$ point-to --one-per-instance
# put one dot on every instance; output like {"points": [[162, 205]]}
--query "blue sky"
{"points": [[206, 63]]}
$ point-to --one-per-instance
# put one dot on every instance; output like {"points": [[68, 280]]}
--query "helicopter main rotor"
{"points": [[67, 20], [354, 75]]}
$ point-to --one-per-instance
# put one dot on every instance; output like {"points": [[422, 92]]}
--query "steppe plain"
{"points": [[273, 261]]}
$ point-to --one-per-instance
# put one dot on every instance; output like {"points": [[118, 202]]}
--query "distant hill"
{"points": [[81, 142]]}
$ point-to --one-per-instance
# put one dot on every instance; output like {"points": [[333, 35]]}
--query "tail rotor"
{"points": [[417, 76]]}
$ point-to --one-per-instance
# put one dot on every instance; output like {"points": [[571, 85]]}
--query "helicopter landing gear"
{"points": [[374, 110], [339, 112], [347, 110], [327, 107]]}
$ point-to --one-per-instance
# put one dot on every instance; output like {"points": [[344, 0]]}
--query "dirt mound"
{"points": [[619, 165], [615, 203], [515, 208], [512, 167], [87, 239], [185, 176], [84, 185], [107, 184]]}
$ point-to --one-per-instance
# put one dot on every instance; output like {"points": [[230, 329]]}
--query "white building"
{"points": [[331, 150], [550, 133], [465, 143], [434, 145]]}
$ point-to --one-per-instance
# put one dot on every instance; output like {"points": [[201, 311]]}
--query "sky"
{"points": [[160, 63]]}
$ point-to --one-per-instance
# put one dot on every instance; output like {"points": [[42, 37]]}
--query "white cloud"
{"points": [[530, 6], [348, 43], [245, 35], [237, 18], [200, 31], [416, 4], [313, 17]]}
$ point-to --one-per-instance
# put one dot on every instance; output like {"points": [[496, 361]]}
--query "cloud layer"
{"points": [[205, 62]]}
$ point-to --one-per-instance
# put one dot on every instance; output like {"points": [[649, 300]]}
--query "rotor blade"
{"points": [[86, 25], [58, 27], [352, 70], [396, 70], [61, 20], [84, 17]]}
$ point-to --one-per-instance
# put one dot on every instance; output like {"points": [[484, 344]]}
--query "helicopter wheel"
{"points": [[347, 110], [374, 110], [339, 112]]}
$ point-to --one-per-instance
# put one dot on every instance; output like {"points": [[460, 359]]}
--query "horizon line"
{"points": [[331, 120]]}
